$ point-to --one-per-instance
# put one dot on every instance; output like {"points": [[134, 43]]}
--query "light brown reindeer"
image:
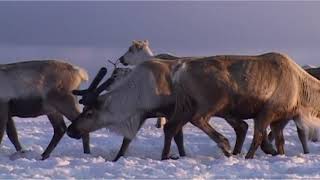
{"points": [[140, 52], [270, 88], [125, 108], [146, 93], [35, 88]]}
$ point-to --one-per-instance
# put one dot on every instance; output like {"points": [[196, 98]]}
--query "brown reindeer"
{"points": [[270, 88], [125, 108], [140, 52], [37, 88], [127, 105]]}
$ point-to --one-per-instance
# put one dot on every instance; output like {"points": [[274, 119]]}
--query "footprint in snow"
{"points": [[27, 154]]}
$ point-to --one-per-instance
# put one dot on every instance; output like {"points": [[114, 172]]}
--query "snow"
{"points": [[204, 160]]}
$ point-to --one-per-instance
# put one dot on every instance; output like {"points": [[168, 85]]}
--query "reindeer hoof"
{"points": [[158, 126], [117, 158], [87, 152], [173, 157], [225, 147], [227, 153], [236, 152], [182, 154], [44, 157], [249, 156]]}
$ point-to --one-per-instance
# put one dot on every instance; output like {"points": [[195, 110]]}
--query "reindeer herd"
{"points": [[269, 88]]}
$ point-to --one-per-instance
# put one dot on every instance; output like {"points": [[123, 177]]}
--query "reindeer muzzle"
{"points": [[72, 133]]}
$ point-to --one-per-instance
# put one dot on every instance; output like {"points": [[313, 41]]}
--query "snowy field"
{"points": [[204, 160]]}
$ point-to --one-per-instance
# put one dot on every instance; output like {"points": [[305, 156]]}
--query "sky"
{"points": [[88, 33]]}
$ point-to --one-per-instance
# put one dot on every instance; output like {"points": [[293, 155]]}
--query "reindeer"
{"points": [[37, 88], [270, 88], [126, 107], [313, 133], [140, 52]]}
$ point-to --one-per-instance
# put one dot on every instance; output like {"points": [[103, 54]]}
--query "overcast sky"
{"points": [[185, 28]]}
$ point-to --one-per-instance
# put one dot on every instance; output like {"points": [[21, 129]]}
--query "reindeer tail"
{"points": [[82, 72]]}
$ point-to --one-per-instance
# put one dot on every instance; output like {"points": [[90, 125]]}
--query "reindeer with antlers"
{"points": [[140, 52]]}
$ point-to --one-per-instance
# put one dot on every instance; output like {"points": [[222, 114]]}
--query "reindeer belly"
{"points": [[26, 107], [242, 107]]}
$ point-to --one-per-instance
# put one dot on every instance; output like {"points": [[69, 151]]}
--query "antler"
{"points": [[89, 95], [109, 81], [102, 72]]}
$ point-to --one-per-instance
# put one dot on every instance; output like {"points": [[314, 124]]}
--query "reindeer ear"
{"points": [[146, 42], [135, 42]]}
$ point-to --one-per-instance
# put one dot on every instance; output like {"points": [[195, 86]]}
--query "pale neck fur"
{"points": [[125, 104], [309, 91]]}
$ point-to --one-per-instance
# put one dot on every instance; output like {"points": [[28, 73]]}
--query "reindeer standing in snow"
{"points": [[126, 142], [140, 52], [37, 88], [90, 95], [270, 88]]}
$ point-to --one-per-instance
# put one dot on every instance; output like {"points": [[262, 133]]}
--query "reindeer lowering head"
{"points": [[137, 53], [98, 107], [87, 121]]}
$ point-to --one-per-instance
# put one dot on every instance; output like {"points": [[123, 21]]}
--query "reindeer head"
{"points": [[89, 120], [138, 52], [85, 122]]}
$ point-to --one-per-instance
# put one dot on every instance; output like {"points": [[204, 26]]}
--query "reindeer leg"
{"points": [[12, 134], [267, 147], [160, 122], [66, 105], [271, 136], [277, 129], [59, 128], [260, 125], [171, 129], [313, 134], [125, 144], [4, 119], [123, 149], [178, 138], [223, 143], [86, 143], [241, 128], [301, 129]]}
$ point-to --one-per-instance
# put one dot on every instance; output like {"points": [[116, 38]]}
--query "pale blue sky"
{"points": [[93, 31]]}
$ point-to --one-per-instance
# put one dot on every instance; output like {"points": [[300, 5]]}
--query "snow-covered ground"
{"points": [[204, 160]]}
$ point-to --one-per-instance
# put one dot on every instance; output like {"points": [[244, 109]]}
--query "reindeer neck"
{"points": [[309, 92]]}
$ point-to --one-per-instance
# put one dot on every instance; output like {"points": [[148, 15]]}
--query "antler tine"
{"points": [[104, 85], [102, 72], [113, 63], [109, 81]]}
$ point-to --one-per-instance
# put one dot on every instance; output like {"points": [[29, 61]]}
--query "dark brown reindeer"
{"points": [[37, 88], [270, 88]]}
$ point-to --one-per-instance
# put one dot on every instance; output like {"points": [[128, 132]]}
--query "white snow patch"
{"points": [[204, 159]]}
